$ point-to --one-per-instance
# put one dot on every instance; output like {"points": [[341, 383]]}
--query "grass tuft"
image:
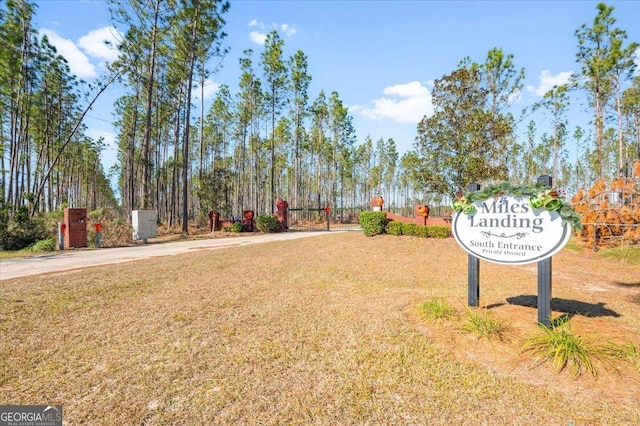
{"points": [[626, 253], [565, 349], [572, 245], [627, 352], [46, 245], [437, 309], [484, 325]]}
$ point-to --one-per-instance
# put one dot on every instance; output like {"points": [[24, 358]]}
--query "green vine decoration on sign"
{"points": [[539, 197]]}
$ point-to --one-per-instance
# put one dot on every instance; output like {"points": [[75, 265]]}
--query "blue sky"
{"points": [[380, 56]]}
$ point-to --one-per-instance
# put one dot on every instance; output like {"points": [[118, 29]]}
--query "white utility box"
{"points": [[144, 223]]}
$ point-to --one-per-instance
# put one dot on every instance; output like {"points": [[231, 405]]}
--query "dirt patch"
{"points": [[599, 296]]}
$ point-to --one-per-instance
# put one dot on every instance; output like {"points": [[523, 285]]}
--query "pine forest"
{"points": [[267, 136]]}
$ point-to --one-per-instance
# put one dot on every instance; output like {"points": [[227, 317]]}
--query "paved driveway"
{"points": [[84, 258]]}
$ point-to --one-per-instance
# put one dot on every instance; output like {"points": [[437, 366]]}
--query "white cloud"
{"points": [[288, 29], [548, 81], [403, 103], [101, 43], [79, 64], [258, 37], [210, 89]]}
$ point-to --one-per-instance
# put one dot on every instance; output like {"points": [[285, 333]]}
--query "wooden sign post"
{"points": [[473, 268], [544, 276]]}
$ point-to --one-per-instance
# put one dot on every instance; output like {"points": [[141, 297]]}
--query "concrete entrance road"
{"points": [[76, 259]]}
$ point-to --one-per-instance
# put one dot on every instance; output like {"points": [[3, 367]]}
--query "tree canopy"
{"points": [[270, 134]]}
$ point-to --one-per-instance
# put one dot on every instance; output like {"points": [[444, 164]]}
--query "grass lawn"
{"points": [[323, 330]]}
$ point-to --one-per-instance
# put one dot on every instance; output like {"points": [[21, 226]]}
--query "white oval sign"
{"points": [[508, 230]]}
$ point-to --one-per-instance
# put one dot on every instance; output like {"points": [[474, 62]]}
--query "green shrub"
{"points": [[409, 229], [400, 228], [373, 223], [22, 230], [267, 223], [394, 228], [439, 232], [421, 231], [236, 227]]}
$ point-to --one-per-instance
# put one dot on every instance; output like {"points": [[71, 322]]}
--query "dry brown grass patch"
{"points": [[322, 330]]}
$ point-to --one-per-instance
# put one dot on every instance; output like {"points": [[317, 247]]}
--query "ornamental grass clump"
{"points": [[48, 244], [437, 309], [627, 353], [572, 245], [625, 253], [484, 325], [562, 347]]}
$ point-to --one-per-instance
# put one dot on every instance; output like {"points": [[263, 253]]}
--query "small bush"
{"points": [[394, 228], [409, 229], [373, 223], [483, 325], [236, 227], [401, 228], [564, 348], [22, 231], [437, 309], [421, 231], [439, 232], [267, 223]]}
